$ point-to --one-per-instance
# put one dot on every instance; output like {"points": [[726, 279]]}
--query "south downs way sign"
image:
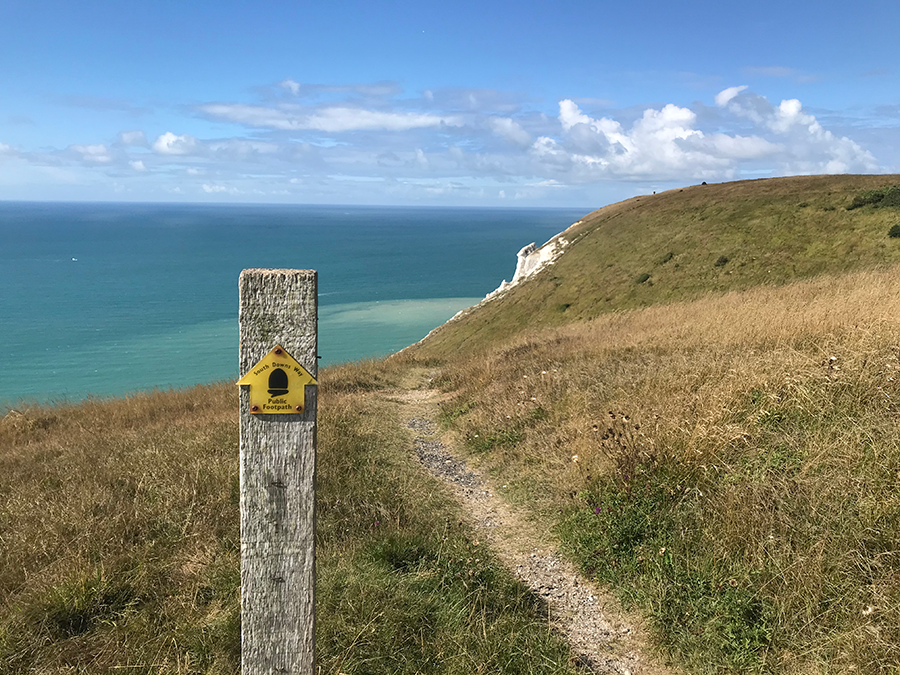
{"points": [[277, 384]]}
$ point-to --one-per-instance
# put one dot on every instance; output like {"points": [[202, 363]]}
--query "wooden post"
{"points": [[278, 473]]}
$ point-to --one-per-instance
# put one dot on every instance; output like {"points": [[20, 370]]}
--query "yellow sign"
{"points": [[277, 384]]}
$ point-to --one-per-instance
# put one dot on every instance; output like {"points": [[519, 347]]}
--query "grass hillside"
{"points": [[718, 439], [681, 244]]}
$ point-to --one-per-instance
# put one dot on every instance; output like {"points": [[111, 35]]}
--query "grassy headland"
{"points": [[682, 244]]}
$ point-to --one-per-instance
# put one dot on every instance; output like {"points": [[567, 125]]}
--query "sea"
{"points": [[106, 299]]}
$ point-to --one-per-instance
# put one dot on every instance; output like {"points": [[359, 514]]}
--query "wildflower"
{"points": [[733, 582], [575, 458], [662, 551], [597, 510]]}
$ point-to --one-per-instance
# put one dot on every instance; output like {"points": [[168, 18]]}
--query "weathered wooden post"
{"points": [[278, 334]]}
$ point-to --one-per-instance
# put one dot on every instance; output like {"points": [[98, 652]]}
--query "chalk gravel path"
{"points": [[602, 637]]}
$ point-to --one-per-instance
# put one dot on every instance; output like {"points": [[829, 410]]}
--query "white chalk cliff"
{"points": [[529, 261]]}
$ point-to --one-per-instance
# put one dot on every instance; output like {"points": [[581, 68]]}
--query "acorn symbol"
{"points": [[278, 382]]}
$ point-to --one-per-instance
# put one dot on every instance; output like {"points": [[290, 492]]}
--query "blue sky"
{"points": [[463, 103]]}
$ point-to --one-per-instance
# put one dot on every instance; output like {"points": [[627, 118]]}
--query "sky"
{"points": [[487, 103]]}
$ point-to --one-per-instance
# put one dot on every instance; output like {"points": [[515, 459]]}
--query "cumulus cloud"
{"points": [[668, 143], [136, 138], [329, 119], [661, 143], [5, 149], [170, 144], [807, 146], [724, 96], [137, 165]]}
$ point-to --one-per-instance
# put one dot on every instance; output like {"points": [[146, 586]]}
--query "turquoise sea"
{"points": [[106, 299]]}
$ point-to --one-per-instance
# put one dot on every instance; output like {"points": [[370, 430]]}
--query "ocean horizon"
{"points": [[106, 299]]}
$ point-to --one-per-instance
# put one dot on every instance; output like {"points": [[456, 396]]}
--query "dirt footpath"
{"points": [[603, 638]]}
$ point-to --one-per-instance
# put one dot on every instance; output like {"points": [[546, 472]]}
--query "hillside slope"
{"points": [[681, 244], [700, 399]]}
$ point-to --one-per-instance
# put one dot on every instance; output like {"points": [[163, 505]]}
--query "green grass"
{"points": [[121, 547], [681, 244], [880, 198]]}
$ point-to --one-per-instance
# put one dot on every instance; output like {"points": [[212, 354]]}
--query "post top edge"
{"points": [[260, 272]]}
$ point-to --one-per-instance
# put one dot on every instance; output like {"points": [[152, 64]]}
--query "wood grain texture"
{"points": [[278, 474]]}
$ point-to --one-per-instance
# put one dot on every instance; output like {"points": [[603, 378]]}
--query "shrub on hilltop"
{"points": [[886, 196]]}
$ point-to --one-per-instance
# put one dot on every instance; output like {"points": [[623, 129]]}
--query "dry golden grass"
{"points": [[116, 515], [119, 544], [764, 422]]}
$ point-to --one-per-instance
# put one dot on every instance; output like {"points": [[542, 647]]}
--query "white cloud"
{"points": [[5, 149], [136, 138], [737, 147], [668, 143], [570, 115], [290, 85], [170, 144], [660, 144], [548, 151], [211, 189], [331, 119], [807, 146], [97, 154], [356, 119], [193, 171], [137, 165], [509, 130], [724, 96]]}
